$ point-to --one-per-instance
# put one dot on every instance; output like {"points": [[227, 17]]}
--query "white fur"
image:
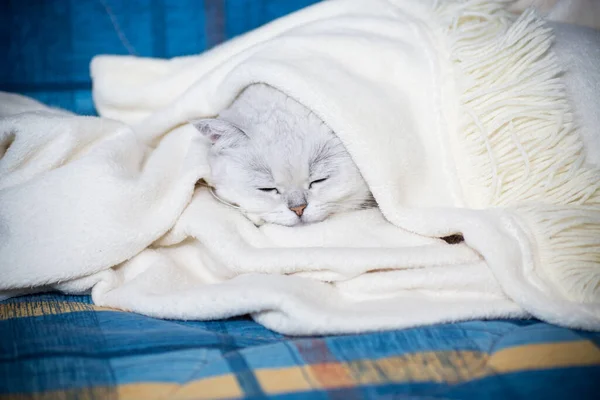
{"points": [[266, 139]]}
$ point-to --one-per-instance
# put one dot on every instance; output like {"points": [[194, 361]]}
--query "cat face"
{"points": [[287, 172]]}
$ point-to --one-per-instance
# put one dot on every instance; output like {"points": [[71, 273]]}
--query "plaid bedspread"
{"points": [[47, 45], [62, 347]]}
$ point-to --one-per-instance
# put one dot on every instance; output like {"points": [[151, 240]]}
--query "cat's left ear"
{"points": [[216, 129]]}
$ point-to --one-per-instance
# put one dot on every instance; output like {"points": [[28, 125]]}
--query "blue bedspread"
{"points": [[47, 45], [57, 346], [62, 347]]}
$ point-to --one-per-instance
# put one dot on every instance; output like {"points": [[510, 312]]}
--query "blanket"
{"points": [[579, 12], [455, 113]]}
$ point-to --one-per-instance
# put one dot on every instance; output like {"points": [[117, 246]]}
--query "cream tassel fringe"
{"points": [[522, 148]]}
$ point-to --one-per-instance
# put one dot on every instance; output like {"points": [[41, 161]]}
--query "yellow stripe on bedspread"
{"points": [[440, 367], [40, 308]]}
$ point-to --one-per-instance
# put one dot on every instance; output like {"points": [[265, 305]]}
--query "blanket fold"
{"points": [[455, 112]]}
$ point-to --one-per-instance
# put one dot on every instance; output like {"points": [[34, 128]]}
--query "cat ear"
{"points": [[216, 129]]}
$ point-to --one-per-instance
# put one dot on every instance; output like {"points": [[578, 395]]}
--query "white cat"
{"points": [[279, 162]]}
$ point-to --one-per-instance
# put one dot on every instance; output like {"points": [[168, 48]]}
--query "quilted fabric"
{"points": [[47, 45], [56, 346]]}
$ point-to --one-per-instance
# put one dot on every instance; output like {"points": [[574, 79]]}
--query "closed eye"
{"points": [[316, 181], [269, 190]]}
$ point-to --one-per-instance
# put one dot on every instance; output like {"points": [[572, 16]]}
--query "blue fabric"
{"points": [[64, 347], [56, 346], [47, 45]]}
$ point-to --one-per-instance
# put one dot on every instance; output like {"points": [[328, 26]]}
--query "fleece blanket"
{"points": [[456, 113], [579, 12]]}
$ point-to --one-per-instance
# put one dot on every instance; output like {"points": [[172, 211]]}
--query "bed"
{"points": [[56, 346]]}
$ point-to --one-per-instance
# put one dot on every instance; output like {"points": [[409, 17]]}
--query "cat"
{"points": [[280, 163]]}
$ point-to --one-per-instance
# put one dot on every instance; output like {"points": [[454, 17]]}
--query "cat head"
{"points": [[283, 171]]}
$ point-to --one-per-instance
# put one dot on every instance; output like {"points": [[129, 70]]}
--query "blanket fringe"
{"points": [[520, 139], [568, 241]]}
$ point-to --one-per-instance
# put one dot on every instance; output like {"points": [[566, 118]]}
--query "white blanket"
{"points": [[455, 114], [578, 12]]}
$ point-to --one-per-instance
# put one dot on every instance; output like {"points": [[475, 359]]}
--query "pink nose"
{"points": [[298, 210]]}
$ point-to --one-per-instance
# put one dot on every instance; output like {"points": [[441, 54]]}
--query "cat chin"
{"points": [[291, 220], [313, 215], [313, 219]]}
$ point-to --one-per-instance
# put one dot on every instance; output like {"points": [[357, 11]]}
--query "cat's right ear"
{"points": [[216, 130]]}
